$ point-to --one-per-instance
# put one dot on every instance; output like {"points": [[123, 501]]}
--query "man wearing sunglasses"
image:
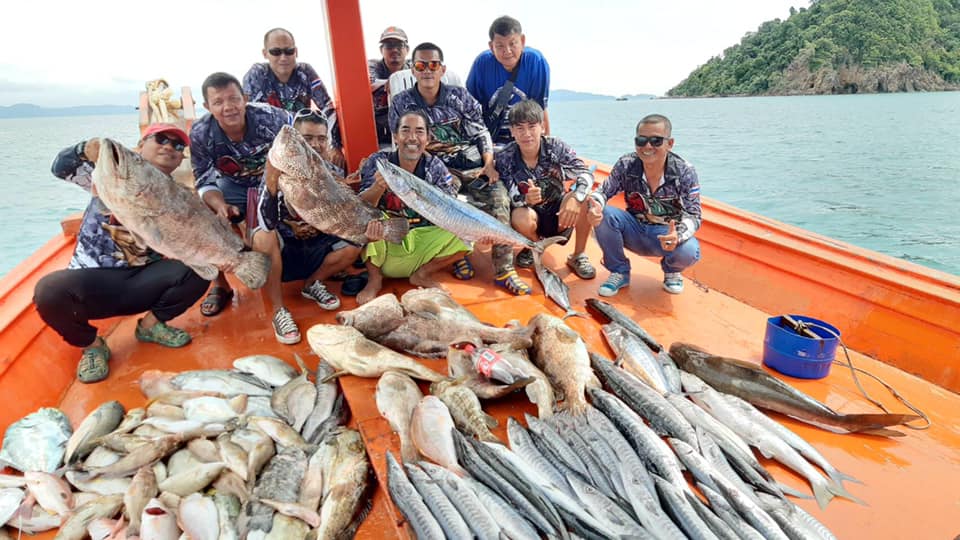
{"points": [[462, 142], [283, 82], [228, 152], [507, 74], [297, 250], [534, 169], [662, 195], [426, 248], [110, 274], [393, 49]]}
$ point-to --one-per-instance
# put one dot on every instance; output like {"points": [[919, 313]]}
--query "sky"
{"points": [[58, 53]]}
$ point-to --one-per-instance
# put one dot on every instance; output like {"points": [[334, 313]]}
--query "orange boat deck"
{"points": [[907, 481]]}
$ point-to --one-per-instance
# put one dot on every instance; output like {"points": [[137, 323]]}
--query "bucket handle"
{"points": [[856, 379], [801, 328]]}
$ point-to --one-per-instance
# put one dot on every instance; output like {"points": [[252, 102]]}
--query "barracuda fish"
{"points": [[612, 314], [98, 423], [349, 351], [328, 205], [554, 287], [513, 524], [478, 517], [410, 503], [37, 441], [170, 218], [440, 506], [397, 396], [749, 382], [467, 222]]}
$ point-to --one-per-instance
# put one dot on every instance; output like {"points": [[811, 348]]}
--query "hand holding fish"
{"points": [[374, 230], [534, 196], [271, 178], [569, 211], [594, 212], [669, 241]]}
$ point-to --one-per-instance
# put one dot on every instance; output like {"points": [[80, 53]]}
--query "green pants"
{"points": [[419, 246]]}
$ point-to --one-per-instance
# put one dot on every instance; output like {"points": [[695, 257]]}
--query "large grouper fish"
{"points": [[318, 198], [752, 384], [171, 219]]}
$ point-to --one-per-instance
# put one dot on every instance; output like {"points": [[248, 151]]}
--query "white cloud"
{"points": [[71, 53]]}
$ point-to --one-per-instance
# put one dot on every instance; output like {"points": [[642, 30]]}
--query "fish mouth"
{"points": [[109, 159]]}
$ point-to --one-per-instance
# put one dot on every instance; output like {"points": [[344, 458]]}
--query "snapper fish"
{"points": [[37, 442], [170, 219]]}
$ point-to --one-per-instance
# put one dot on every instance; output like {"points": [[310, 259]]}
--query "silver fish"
{"points": [[37, 441], [169, 217], [553, 286], [101, 421], [408, 500], [229, 383], [268, 369]]}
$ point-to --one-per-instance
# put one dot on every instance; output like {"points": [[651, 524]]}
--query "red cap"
{"points": [[393, 32], [153, 129]]}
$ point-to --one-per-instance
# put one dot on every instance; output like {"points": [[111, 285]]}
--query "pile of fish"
{"points": [[258, 451]]}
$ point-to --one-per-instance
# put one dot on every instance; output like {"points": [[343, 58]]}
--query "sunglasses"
{"points": [[432, 65], [310, 113], [395, 46], [162, 139], [655, 141], [277, 51]]}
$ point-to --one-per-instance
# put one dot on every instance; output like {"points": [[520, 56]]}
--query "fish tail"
{"points": [[866, 422], [839, 476], [572, 313], [541, 245], [787, 490], [837, 489], [253, 269], [395, 229], [823, 492]]}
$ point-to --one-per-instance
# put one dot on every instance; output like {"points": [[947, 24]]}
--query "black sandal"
{"points": [[216, 300]]}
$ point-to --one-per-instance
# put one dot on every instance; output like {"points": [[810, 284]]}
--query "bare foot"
{"points": [[371, 290], [424, 279]]}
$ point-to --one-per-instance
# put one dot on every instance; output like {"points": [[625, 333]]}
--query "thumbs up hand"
{"points": [[669, 240], [533, 193]]}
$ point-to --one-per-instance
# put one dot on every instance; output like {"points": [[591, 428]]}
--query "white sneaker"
{"points": [[613, 284], [318, 292], [285, 328], [673, 282]]}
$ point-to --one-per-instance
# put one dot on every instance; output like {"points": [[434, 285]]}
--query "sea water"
{"points": [[877, 171]]}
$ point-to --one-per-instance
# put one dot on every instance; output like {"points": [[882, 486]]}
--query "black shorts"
{"points": [[237, 195], [548, 222], [301, 258]]}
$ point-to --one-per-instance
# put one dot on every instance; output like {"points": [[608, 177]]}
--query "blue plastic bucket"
{"points": [[790, 353]]}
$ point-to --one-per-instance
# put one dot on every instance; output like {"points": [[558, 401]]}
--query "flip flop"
{"points": [[354, 284], [216, 300]]}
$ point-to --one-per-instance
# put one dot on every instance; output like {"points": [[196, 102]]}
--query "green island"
{"points": [[840, 47]]}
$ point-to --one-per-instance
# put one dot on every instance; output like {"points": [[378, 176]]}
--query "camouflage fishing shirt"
{"points": [[262, 86], [428, 168], [213, 155], [556, 164], [677, 198], [379, 75], [102, 242], [456, 119]]}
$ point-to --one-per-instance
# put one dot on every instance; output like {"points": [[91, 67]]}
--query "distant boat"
{"points": [[621, 98]]}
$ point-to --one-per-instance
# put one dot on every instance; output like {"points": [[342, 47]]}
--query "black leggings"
{"points": [[68, 299]]}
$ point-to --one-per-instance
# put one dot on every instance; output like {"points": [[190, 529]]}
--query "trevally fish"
{"points": [[328, 205], [101, 421], [169, 217], [37, 442]]}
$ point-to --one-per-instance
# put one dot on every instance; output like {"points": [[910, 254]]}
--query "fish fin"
{"points": [[252, 269], [871, 421], [565, 334], [542, 245], [303, 367], [787, 490], [335, 375], [823, 492], [490, 421], [395, 229], [206, 271], [572, 313], [837, 489], [880, 432], [839, 476]]}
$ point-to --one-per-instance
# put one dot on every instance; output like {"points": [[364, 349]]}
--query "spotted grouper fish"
{"points": [[319, 199], [170, 218]]}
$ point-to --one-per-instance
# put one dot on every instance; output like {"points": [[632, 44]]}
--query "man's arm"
{"points": [[473, 127], [372, 184], [613, 184], [692, 216], [75, 165]]}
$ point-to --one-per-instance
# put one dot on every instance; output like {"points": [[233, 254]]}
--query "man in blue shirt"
{"points": [[228, 152], [508, 59], [662, 195]]}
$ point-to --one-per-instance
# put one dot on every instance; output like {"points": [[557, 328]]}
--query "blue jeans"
{"points": [[620, 230]]}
